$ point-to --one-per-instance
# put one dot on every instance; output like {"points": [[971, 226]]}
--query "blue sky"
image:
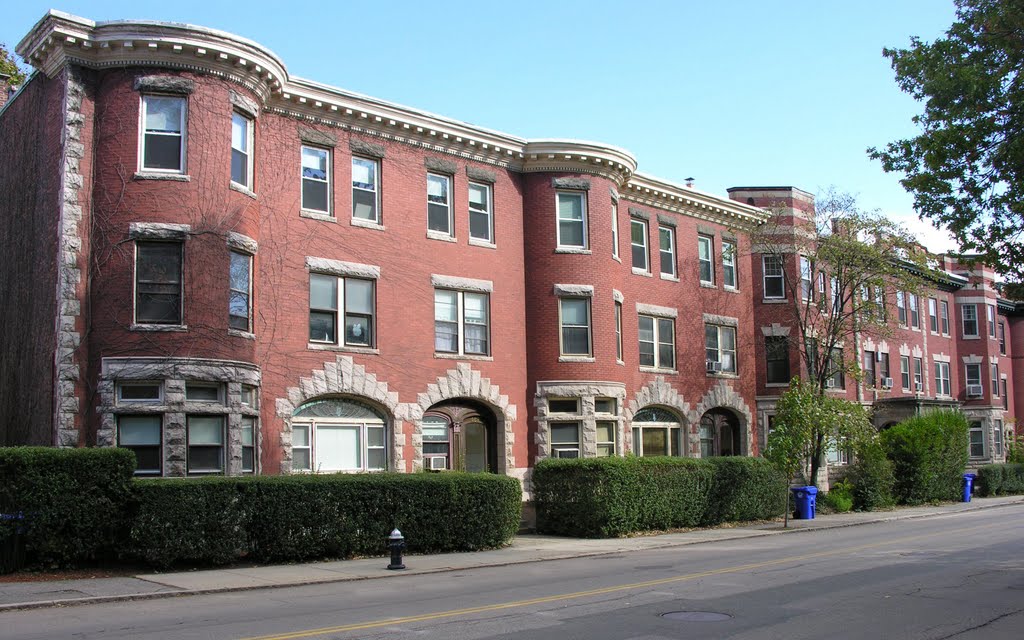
{"points": [[733, 93]]}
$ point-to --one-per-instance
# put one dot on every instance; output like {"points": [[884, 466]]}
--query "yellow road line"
{"points": [[602, 591]]}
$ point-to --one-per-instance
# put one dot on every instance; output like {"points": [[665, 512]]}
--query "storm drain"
{"points": [[696, 616]]}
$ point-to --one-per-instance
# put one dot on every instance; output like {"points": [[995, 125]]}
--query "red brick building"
{"points": [[230, 270]]}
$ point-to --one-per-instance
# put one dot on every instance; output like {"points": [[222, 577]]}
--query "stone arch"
{"points": [[723, 396], [465, 382], [661, 393], [343, 377]]}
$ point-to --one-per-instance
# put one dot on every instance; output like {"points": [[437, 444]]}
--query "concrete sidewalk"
{"points": [[525, 548]]}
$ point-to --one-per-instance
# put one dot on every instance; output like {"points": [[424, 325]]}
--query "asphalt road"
{"points": [[953, 576]]}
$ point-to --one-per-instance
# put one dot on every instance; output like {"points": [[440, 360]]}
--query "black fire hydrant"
{"points": [[397, 544]]}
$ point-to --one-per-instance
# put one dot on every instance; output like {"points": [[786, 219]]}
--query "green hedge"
{"points": [[871, 475], [607, 497], [1001, 479], [929, 454], [71, 501], [222, 520]]}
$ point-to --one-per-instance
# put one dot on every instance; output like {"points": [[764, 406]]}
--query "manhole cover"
{"points": [[696, 616]]}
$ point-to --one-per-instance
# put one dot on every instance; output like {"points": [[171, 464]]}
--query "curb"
{"points": [[175, 593]]}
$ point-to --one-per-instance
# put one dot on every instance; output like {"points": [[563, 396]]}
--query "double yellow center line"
{"points": [[453, 613]]}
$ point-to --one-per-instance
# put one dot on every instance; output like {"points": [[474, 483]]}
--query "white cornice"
{"points": [[60, 38]]}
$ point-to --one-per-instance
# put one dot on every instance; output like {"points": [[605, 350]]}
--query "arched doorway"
{"points": [[719, 434], [338, 434], [461, 436], [656, 432]]}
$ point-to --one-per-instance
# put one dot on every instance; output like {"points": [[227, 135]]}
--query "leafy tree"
{"points": [[966, 167], [9, 66], [855, 262], [808, 424]]}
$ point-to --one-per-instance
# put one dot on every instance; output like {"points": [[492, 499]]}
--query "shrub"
{"points": [[73, 501], [839, 497], [871, 478], [606, 497], [293, 518], [1000, 479], [929, 454]]}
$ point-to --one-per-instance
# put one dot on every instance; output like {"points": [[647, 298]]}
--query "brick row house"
{"points": [[229, 270]]}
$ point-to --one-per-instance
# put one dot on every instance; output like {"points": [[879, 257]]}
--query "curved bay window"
{"points": [[460, 438], [338, 434], [656, 432], [719, 434]]}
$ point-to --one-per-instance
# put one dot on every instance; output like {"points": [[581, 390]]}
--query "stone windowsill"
{"points": [[776, 385], [477, 242], [644, 369], [234, 186], [440, 235], [708, 285], [725, 375], [576, 359], [617, 259], [728, 289], [159, 175], [317, 346], [573, 250], [642, 272], [773, 301], [173, 328], [669, 278], [316, 215], [241, 334], [367, 224], [455, 356]]}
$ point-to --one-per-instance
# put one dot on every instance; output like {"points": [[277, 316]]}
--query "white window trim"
{"points": [[249, 138], [729, 249], [182, 164], [375, 191], [942, 368], [147, 473], [764, 276], [655, 320], [670, 233], [437, 234], [140, 383], [330, 163], [590, 329], [615, 230], [806, 279], [489, 211], [646, 268], [460, 321], [148, 324], [963, 321], [248, 293], [710, 242], [339, 313], [312, 424], [558, 221], [719, 350], [189, 470]]}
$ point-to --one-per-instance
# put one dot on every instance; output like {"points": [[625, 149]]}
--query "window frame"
{"points": [[975, 428], [635, 223], [806, 279], [990, 317], [222, 458], [313, 425], [933, 315], [341, 313], [719, 349], [374, 189], [582, 222], [780, 276], [247, 152], [659, 326], [565, 445], [248, 424], [562, 327], [942, 380], [461, 335], [774, 353], [1002, 338], [179, 320], [147, 472], [668, 232], [235, 293], [615, 230], [487, 211], [964, 320], [705, 259], [435, 206], [182, 134], [915, 310], [618, 331], [944, 316], [994, 375], [326, 181], [905, 378], [918, 375], [975, 380], [730, 277], [901, 308], [120, 386]]}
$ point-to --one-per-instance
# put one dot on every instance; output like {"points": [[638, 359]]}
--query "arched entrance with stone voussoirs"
{"points": [[460, 435], [720, 434]]}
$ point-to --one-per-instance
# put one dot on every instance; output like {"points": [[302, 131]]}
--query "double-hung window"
{"points": [[142, 435], [905, 372], [720, 347], [729, 279], [572, 220], [657, 342], [973, 379], [977, 439], [328, 296], [774, 280], [163, 134], [205, 444], [574, 318], [942, 379], [481, 220], [615, 230], [997, 437], [969, 316], [240, 295], [806, 279], [316, 180], [918, 375], [241, 150], [944, 317], [915, 312], [439, 205], [990, 311], [1002, 338], [705, 251], [365, 191], [638, 243], [933, 315], [461, 314], [901, 308], [618, 331], [565, 439], [870, 378], [248, 444], [835, 369], [158, 282], [667, 250], [994, 369], [776, 350]]}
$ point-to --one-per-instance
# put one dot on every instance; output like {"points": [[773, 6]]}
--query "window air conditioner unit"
{"points": [[438, 463], [830, 383], [887, 383], [974, 391], [567, 453], [918, 387], [714, 366]]}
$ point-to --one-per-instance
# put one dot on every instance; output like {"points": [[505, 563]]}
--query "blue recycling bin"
{"points": [[805, 500], [968, 486]]}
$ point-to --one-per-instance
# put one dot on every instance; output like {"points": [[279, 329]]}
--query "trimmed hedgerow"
{"points": [[71, 501], [929, 454], [607, 497], [871, 475], [222, 520], [1001, 479]]}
